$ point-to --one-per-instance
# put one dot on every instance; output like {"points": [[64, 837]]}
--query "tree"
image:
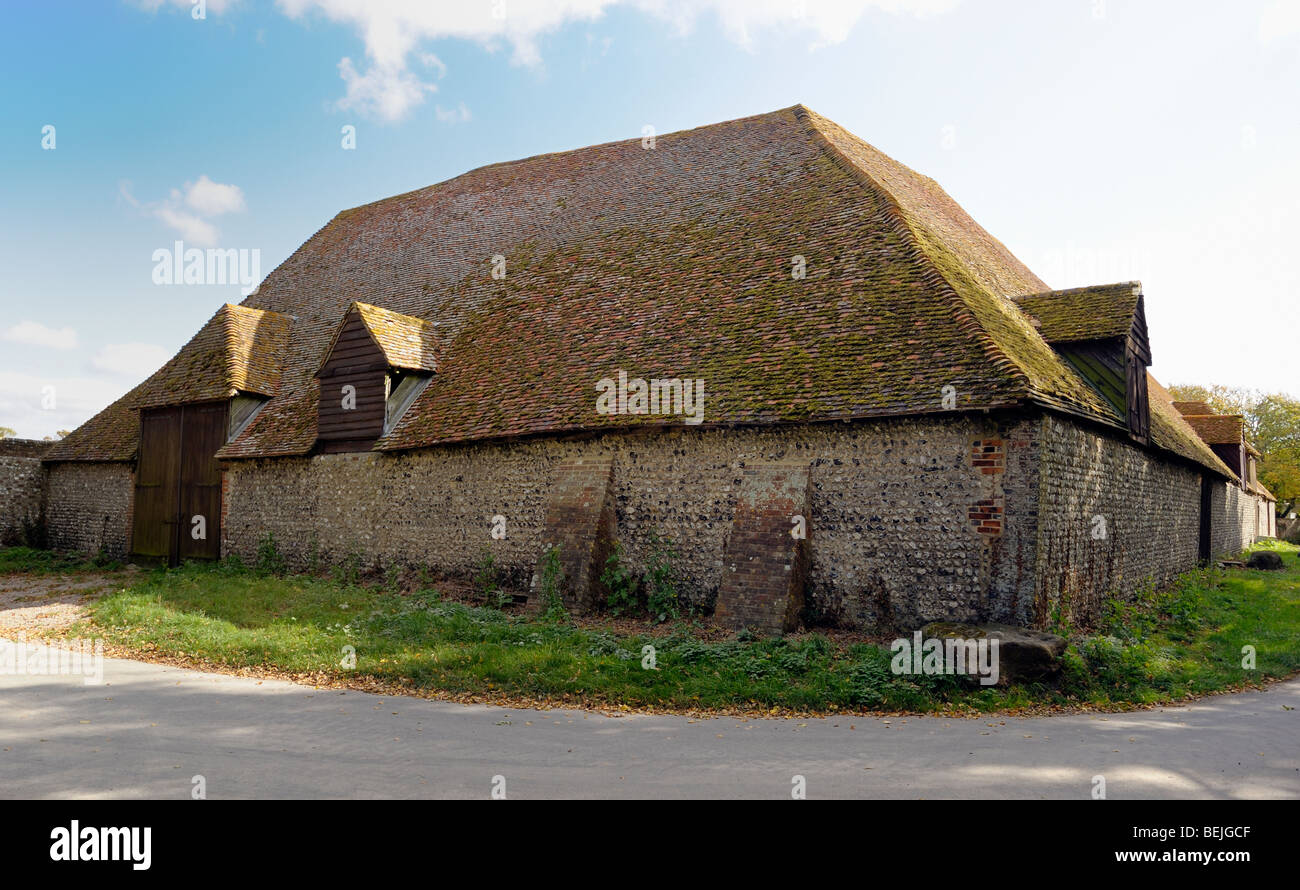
{"points": [[1276, 433], [1223, 399], [5, 432], [1272, 426]]}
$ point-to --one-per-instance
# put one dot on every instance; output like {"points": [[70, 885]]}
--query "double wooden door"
{"points": [[178, 483]]}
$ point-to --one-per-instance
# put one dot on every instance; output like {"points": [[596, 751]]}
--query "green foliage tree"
{"points": [[6, 433], [1272, 426], [1223, 399]]}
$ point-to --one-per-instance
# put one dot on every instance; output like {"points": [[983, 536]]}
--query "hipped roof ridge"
{"points": [[963, 315]]}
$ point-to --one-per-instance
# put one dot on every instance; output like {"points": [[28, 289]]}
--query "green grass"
{"points": [[1184, 641], [29, 560]]}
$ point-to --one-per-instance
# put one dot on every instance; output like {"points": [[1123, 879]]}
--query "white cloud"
{"points": [[35, 406], [197, 232], [451, 115], [432, 61], [385, 91], [135, 361], [213, 198], [36, 334], [203, 197], [393, 31], [826, 21], [1279, 20]]}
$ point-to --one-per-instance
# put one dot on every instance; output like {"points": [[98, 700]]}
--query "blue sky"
{"points": [[1101, 140]]}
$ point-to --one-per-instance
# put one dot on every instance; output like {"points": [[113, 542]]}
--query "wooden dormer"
{"points": [[377, 364], [1102, 332]]}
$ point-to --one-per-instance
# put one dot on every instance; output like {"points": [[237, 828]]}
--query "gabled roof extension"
{"points": [[1186, 408], [1219, 429], [408, 343], [238, 350], [1100, 312]]}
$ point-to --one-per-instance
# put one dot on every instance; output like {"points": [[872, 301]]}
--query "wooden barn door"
{"points": [[157, 477], [203, 431], [178, 483]]}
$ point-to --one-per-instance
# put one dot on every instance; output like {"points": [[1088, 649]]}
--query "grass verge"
{"points": [[1182, 642], [31, 561]]}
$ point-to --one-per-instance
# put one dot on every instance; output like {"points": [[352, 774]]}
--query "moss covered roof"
{"points": [[407, 342], [1098, 312], [239, 349], [673, 262], [1171, 431]]}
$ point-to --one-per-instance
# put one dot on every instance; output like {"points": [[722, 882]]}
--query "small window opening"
{"points": [[403, 389], [243, 408]]}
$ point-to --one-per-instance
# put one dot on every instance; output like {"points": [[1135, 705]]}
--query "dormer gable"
{"points": [[377, 364], [1102, 332]]}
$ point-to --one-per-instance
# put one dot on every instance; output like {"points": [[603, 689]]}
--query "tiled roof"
{"points": [[1084, 313], [407, 342], [1171, 431], [1193, 408], [1260, 489], [676, 261], [239, 349], [1218, 429]]}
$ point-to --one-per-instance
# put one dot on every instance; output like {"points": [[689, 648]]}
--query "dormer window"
{"points": [[1102, 332], [244, 407], [403, 389], [377, 365]]}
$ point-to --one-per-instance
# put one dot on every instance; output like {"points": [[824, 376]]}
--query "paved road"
{"points": [[149, 729]]}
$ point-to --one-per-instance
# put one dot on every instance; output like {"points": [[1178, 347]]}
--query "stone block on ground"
{"points": [[1265, 559], [1024, 654]]}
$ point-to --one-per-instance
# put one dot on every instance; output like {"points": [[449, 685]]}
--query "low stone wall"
{"points": [[1005, 517], [21, 480], [896, 536], [88, 507], [1113, 517]]}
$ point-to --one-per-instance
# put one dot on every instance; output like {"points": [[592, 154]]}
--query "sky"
{"points": [[1100, 140]]}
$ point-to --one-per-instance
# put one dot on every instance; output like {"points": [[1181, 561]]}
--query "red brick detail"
{"points": [[989, 457], [581, 521], [764, 567]]}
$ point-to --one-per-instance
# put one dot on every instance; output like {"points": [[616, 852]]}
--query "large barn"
{"points": [[801, 362]]}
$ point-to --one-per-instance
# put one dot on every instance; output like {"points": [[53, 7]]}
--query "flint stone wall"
{"points": [[88, 507], [1234, 519], [1114, 518], [895, 539], [22, 478], [957, 517]]}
